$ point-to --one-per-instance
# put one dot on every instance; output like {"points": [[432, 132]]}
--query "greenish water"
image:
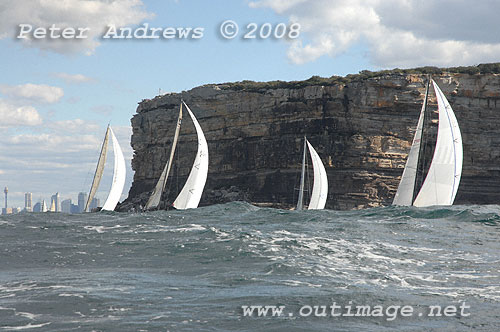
{"points": [[194, 270]]}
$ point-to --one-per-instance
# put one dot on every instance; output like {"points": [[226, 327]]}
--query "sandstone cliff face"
{"points": [[362, 130]]}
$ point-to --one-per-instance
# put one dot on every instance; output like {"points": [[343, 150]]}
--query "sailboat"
{"points": [[190, 195], [443, 177], [119, 173], [320, 184]]}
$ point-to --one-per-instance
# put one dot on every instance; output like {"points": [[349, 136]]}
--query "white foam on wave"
{"points": [[24, 327], [102, 229], [71, 295], [28, 315], [189, 228]]}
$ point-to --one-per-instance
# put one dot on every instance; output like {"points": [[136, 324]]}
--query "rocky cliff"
{"points": [[361, 126]]}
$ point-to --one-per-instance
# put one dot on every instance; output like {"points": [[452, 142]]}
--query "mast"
{"points": [[300, 201], [99, 170], [155, 198]]}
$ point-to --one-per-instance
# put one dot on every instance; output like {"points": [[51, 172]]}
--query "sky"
{"points": [[57, 95]]}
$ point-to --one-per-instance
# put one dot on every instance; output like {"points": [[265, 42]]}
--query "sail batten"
{"points": [[119, 174], [99, 170]]}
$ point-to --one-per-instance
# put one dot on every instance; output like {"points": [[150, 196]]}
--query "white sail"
{"points": [[155, 198], [441, 183], [404, 195], [99, 171], [320, 184], [190, 195], [119, 174]]}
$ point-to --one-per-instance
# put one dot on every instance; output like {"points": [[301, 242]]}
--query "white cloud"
{"points": [[33, 92], [92, 14], [74, 126], [398, 33], [13, 115], [74, 79]]}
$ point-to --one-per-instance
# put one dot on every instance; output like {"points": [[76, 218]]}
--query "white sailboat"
{"points": [[119, 173], [190, 195], [441, 183], [320, 184]]}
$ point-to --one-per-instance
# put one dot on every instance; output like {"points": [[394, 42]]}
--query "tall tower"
{"points": [[28, 199], [82, 199], [6, 190]]}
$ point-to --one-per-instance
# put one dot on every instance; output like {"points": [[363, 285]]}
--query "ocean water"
{"points": [[196, 270]]}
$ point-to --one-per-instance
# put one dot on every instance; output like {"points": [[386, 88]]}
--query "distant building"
{"points": [[66, 206], [44, 207], [6, 191], [95, 203], [37, 207], [28, 199], [82, 200], [75, 208], [7, 211], [55, 203]]}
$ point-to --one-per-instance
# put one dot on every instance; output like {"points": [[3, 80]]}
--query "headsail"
{"points": [[119, 175], [99, 170], [190, 195], [442, 180], [155, 198], [404, 195], [320, 184]]}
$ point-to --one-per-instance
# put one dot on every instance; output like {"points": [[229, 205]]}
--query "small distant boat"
{"points": [[190, 195], [443, 177], [319, 191], [119, 173]]}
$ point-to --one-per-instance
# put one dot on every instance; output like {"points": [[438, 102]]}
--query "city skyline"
{"points": [[56, 204]]}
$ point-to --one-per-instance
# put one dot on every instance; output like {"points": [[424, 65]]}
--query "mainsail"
{"points": [[441, 183], [99, 170], [320, 183], [404, 195], [190, 195], [119, 174], [155, 198], [442, 180]]}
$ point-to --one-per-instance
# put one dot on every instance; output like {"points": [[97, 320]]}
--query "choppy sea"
{"points": [[197, 270]]}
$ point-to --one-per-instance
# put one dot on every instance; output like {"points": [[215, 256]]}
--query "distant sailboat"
{"points": [[320, 184], [441, 183], [190, 195], [119, 173]]}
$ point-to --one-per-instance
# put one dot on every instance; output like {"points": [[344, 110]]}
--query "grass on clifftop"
{"points": [[487, 68]]}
